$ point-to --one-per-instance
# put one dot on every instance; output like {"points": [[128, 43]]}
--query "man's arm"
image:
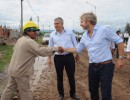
{"points": [[128, 55], [51, 43], [76, 57], [60, 50], [79, 48], [75, 44], [120, 61], [70, 50], [121, 49], [49, 61], [37, 49]]}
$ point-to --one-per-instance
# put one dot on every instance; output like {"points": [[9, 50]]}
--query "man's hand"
{"points": [[60, 50], [120, 63], [128, 56], [49, 61], [76, 57]]}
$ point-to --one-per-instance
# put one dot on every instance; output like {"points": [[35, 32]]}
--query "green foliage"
{"points": [[5, 55], [39, 40], [30, 19], [127, 28], [43, 33]]}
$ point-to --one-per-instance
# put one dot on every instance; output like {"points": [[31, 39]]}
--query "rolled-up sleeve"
{"points": [[112, 36], [37, 49], [80, 47], [81, 44]]}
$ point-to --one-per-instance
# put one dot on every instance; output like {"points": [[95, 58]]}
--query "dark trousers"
{"points": [[101, 75], [125, 40], [68, 62]]}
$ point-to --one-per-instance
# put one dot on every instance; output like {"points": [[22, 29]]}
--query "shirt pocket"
{"points": [[66, 38]]}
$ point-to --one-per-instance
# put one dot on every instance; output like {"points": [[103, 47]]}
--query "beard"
{"points": [[86, 27]]}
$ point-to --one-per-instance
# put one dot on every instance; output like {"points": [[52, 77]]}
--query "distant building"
{"points": [[47, 31], [1, 32]]}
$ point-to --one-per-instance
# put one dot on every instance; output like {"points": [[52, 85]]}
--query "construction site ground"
{"points": [[44, 82]]}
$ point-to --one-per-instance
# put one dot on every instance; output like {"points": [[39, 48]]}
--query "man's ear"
{"points": [[88, 21], [28, 33]]}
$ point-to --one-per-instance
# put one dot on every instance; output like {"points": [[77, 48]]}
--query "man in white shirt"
{"points": [[126, 37]]}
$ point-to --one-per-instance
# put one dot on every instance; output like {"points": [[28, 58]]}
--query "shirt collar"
{"points": [[62, 32], [27, 36], [96, 27]]}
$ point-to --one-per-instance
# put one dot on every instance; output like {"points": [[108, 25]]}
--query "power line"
{"points": [[21, 17], [8, 0], [33, 10], [31, 7]]}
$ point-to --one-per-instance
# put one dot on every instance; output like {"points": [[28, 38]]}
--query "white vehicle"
{"points": [[46, 38], [79, 37]]}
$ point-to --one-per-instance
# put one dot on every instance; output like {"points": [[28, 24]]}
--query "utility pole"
{"points": [[93, 6], [49, 27], [38, 20], [21, 17], [43, 27], [38, 27]]}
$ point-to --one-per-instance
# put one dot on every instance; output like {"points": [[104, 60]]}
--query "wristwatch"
{"points": [[120, 57]]}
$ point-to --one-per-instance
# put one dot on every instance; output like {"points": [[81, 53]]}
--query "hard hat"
{"points": [[30, 25]]}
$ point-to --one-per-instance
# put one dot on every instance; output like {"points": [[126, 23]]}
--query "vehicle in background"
{"points": [[45, 39], [79, 37]]}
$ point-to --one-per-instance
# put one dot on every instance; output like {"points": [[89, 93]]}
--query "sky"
{"points": [[115, 13]]}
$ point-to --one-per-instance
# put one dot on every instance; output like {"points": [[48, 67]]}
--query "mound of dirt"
{"points": [[44, 82]]}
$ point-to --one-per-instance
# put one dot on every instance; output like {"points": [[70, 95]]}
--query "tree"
{"points": [[127, 28], [30, 19]]}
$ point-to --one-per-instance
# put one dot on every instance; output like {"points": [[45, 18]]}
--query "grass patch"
{"points": [[6, 54], [39, 39]]}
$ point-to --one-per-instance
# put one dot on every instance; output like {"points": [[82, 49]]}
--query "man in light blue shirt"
{"points": [[97, 40], [65, 38]]}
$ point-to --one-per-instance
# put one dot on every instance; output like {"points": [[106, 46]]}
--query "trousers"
{"points": [[20, 83], [67, 62], [100, 75]]}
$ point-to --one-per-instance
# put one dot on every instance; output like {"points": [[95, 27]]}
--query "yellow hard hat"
{"points": [[30, 25]]}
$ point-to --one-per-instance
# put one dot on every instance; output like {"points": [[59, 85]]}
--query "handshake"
{"points": [[60, 49]]}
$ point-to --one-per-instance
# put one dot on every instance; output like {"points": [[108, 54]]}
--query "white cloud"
{"points": [[108, 11]]}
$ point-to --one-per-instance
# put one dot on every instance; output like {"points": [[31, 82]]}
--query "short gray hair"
{"points": [[59, 19], [89, 16]]}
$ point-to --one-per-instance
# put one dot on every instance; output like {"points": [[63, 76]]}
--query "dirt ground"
{"points": [[46, 88]]}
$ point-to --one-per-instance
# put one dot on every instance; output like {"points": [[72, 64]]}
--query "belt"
{"points": [[106, 62], [101, 63], [64, 54]]}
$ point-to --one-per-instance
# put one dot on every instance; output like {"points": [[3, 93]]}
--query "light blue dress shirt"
{"points": [[66, 39], [98, 46]]}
